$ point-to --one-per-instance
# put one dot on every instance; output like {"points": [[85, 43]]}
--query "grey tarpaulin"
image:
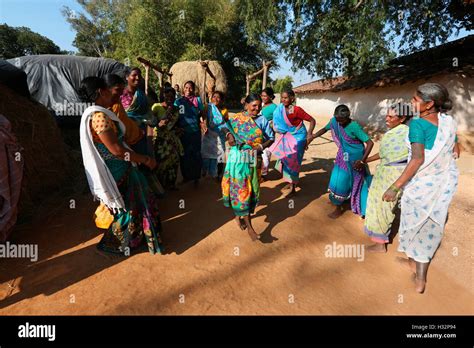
{"points": [[53, 80]]}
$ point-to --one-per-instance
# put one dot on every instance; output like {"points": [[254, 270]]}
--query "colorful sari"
{"points": [[393, 160], [191, 161], [139, 111], [289, 145], [346, 182], [139, 219], [241, 180], [427, 196], [167, 147]]}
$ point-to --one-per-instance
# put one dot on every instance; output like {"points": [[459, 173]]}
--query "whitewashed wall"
{"points": [[368, 106]]}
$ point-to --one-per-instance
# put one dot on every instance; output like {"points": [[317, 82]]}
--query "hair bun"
{"points": [[447, 105]]}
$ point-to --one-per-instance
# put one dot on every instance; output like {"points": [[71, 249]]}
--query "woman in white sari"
{"points": [[428, 181]]}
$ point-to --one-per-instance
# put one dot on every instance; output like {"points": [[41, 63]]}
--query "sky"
{"points": [[44, 17]]}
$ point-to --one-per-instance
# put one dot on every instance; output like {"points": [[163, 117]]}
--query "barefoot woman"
{"points": [[350, 178], [393, 156], [292, 138], [241, 181], [429, 180], [112, 177]]}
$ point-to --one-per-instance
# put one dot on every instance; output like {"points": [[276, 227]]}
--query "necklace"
{"points": [[430, 113]]}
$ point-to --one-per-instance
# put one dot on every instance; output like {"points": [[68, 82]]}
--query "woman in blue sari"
{"points": [[350, 177], [213, 149], [135, 102], [190, 109], [138, 108], [292, 138]]}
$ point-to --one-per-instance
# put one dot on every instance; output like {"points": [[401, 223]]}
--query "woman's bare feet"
{"points": [[241, 223], [253, 235], [377, 248], [407, 263], [420, 285], [337, 212]]}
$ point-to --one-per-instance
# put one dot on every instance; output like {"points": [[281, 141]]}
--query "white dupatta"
{"points": [[101, 182], [429, 193]]}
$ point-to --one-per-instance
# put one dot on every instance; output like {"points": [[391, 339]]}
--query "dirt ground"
{"points": [[212, 267]]}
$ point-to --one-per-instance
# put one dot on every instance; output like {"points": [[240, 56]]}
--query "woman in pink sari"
{"points": [[292, 138]]}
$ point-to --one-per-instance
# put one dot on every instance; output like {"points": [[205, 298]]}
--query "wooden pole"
{"points": [[265, 71], [247, 78]]}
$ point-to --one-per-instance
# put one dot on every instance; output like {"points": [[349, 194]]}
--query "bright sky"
{"points": [[44, 17]]}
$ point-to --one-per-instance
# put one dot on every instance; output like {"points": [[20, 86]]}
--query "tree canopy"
{"points": [[21, 41], [333, 37], [324, 37]]}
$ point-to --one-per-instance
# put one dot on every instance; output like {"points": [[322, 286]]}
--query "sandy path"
{"points": [[211, 267]]}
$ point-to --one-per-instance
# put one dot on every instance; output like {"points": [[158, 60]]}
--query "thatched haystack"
{"points": [[46, 162], [185, 71]]}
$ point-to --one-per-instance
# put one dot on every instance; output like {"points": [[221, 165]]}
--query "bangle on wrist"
{"points": [[394, 188]]}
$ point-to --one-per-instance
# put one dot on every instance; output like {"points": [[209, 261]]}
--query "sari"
{"points": [[393, 160], [268, 110], [213, 141], [289, 145], [167, 147], [427, 196], [137, 109], [191, 162], [130, 200], [346, 182], [241, 180]]}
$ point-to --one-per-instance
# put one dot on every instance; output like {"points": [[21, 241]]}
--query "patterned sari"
{"points": [[427, 196], [289, 145], [346, 182], [140, 219], [393, 160], [241, 180], [167, 146]]}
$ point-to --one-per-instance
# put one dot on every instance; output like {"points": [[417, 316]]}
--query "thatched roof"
{"points": [[192, 70], [412, 67]]}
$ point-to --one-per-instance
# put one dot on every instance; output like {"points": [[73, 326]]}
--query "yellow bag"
{"points": [[103, 218]]}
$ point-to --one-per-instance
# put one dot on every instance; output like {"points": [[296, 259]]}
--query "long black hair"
{"points": [[89, 89]]}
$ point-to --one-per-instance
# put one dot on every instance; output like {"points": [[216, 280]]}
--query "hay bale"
{"points": [[185, 71], [46, 163]]}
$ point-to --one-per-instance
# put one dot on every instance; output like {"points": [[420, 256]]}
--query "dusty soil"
{"points": [[212, 267]]}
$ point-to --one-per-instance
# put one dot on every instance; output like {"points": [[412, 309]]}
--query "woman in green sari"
{"points": [[113, 177], [241, 181], [393, 155], [168, 148]]}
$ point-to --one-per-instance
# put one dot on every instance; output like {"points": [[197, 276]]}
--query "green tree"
{"points": [[166, 32], [279, 85], [21, 41], [98, 26], [331, 37]]}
